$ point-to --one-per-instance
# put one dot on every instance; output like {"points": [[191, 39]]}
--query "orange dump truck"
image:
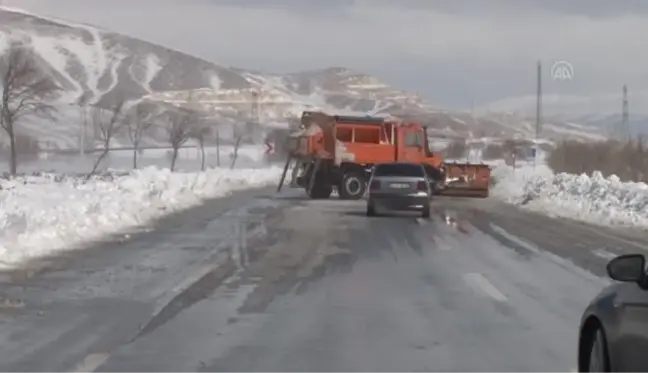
{"points": [[334, 151]]}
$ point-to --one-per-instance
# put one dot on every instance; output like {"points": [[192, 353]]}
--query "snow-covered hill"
{"points": [[599, 110], [103, 67]]}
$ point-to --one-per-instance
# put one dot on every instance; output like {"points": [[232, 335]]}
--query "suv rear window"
{"points": [[399, 169]]}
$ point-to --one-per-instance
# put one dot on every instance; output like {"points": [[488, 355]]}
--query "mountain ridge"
{"points": [[107, 67], [602, 110]]}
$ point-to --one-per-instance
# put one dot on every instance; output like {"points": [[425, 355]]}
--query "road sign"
{"points": [[562, 70], [269, 148]]}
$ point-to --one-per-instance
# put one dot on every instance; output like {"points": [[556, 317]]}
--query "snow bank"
{"points": [[42, 214], [595, 199]]}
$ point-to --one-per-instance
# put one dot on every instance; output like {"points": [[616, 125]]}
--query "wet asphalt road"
{"points": [[315, 286]]}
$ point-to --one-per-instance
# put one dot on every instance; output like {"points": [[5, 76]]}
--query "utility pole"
{"points": [[625, 122], [254, 116], [538, 128], [254, 109]]}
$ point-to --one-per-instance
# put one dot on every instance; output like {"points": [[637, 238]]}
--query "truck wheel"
{"points": [[437, 178], [371, 210], [425, 214], [353, 186], [435, 174], [321, 191]]}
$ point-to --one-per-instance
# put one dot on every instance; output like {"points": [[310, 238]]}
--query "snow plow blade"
{"points": [[465, 180]]}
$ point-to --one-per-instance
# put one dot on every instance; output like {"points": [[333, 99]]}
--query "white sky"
{"points": [[455, 52]]}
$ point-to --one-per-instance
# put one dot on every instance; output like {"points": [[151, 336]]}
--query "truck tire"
{"points": [[425, 214], [435, 173], [353, 186], [437, 177], [371, 210], [321, 191]]}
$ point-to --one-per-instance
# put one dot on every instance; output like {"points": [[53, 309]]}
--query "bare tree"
{"points": [[200, 131], [138, 124], [26, 91], [238, 137], [626, 159], [179, 129], [106, 124]]}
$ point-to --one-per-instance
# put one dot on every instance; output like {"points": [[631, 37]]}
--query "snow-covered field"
{"points": [[188, 160]]}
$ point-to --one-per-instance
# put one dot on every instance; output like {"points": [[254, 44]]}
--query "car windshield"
{"points": [[399, 169]]}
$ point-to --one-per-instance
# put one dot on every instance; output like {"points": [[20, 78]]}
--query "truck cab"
{"points": [[413, 146]]}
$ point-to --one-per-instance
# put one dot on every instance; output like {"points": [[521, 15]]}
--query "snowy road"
{"points": [[481, 286]]}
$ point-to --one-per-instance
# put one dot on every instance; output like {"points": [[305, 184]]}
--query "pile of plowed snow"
{"points": [[595, 199], [43, 214]]}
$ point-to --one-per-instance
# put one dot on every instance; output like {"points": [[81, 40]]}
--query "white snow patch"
{"points": [[458, 120], [116, 62], [50, 49], [40, 215], [153, 67], [594, 199], [86, 57], [215, 82]]}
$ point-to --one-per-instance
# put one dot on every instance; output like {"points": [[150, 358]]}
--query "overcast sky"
{"points": [[455, 52]]}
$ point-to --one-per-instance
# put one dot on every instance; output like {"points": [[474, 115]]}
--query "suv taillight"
{"points": [[422, 186], [374, 185]]}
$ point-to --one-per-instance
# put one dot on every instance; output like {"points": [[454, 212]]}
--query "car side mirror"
{"points": [[627, 268]]}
